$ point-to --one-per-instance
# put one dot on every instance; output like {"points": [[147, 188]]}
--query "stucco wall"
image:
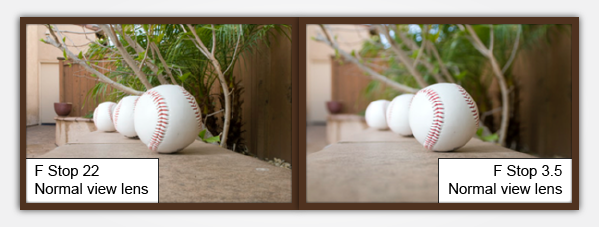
{"points": [[318, 63], [37, 53]]}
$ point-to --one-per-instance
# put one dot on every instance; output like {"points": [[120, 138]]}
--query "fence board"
{"points": [[75, 82]]}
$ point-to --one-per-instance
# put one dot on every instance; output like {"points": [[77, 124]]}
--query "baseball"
{"points": [[397, 114], [122, 116], [443, 117], [167, 118], [375, 114], [103, 117]]}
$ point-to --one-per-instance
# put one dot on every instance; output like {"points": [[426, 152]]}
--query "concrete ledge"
{"points": [[340, 126], [200, 173], [97, 137], [380, 166], [76, 119], [69, 129]]}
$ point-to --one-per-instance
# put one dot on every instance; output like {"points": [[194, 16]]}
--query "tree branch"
{"points": [[56, 42], [139, 49], [500, 78], [235, 52], [373, 74], [402, 56], [221, 78], [128, 59], [414, 47], [514, 50], [422, 45], [213, 40], [441, 64], [166, 67]]}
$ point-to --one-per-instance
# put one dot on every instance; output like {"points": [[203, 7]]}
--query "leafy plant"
{"points": [[214, 139]]}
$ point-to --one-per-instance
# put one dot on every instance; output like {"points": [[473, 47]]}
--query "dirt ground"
{"points": [[40, 140]]}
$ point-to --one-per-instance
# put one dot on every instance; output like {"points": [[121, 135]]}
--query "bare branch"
{"points": [[402, 56], [128, 59], [101, 76], [221, 78], [166, 67], [373, 74], [199, 42], [514, 50], [500, 78], [139, 49], [422, 45], [235, 52], [131, 42], [478, 44], [444, 70], [213, 40], [491, 43], [84, 32], [414, 47]]}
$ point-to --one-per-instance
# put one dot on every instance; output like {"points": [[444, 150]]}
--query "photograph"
{"points": [[386, 102], [211, 102]]}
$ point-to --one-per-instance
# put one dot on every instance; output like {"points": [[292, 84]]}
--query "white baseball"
{"points": [[167, 118], [375, 114], [443, 117], [103, 117], [397, 114], [122, 116]]}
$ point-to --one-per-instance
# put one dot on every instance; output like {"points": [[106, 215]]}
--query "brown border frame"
{"points": [[293, 21], [574, 21]]}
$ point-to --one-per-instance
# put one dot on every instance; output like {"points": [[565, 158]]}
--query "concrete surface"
{"points": [[342, 126], [40, 140], [380, 166], [69, 129], [199, 173], [316, 138]]}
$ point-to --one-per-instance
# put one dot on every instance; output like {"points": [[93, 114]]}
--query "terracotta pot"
{"points": [[63, 109], [334, 107]]}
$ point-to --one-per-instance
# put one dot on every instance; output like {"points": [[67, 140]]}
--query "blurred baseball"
{"points": [[443, 117], [103, 117], [375, 114], [123, 116], [397, 114], [167, 118]]}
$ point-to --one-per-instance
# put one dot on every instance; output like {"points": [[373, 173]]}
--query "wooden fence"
{"points": [[348, 87], [75, 82], [266, 78]]}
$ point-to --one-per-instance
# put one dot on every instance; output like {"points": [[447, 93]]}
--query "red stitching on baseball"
{"points": [[161, 123], [390, 107], [116, 113], [438, 115], [194, 106], [471, 104], [110, 111]]}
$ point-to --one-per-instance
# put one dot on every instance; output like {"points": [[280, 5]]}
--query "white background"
{"points": [[481, 172], [589, 154], [108, 173]]}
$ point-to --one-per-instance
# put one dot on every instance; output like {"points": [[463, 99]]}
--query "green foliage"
{"points": [[466, 64], [488, 138], [190, 68], [214, 139]]}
